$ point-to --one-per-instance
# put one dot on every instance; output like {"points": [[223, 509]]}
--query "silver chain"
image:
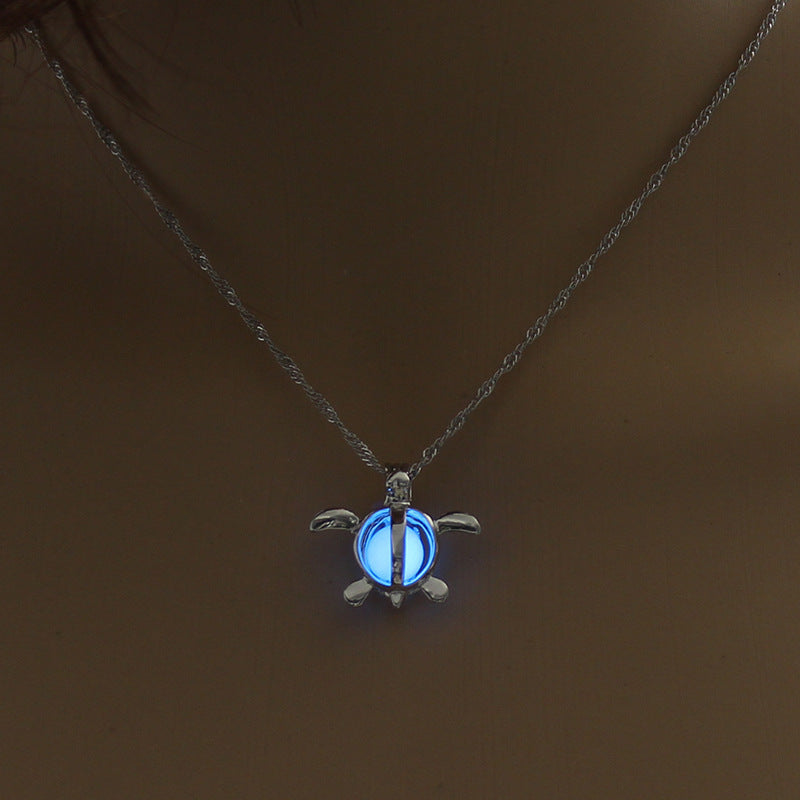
{"points": [[289, 365]]}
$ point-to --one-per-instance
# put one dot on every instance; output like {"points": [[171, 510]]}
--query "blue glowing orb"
{"points": [[373, 546]]}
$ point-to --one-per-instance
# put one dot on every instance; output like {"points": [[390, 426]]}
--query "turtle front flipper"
{"points": [[334, 518], [356, 593], [458, 522]]}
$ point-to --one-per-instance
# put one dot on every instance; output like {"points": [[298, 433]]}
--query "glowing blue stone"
{"points": [[373, 546]]}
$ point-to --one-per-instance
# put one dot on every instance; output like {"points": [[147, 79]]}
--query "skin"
{"points": [[399, 190]]}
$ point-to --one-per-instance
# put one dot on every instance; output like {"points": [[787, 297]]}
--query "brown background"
{"points": [[399, 189]]}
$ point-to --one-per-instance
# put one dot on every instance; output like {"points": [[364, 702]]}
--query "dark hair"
{"points": [[16, 14]]}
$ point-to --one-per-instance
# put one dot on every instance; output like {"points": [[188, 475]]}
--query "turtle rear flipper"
{"points": [[435, 589], [356, 593]]}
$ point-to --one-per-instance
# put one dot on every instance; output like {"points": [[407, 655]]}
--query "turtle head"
{"points": [[398, 489]]}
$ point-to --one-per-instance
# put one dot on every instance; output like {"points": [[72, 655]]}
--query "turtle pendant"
{"points": [[395, 546]]}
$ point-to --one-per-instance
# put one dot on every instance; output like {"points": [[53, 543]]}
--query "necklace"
{"points": [[396, 546]]}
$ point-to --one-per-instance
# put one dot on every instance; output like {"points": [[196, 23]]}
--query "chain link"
{"points": [[288, 364]]}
